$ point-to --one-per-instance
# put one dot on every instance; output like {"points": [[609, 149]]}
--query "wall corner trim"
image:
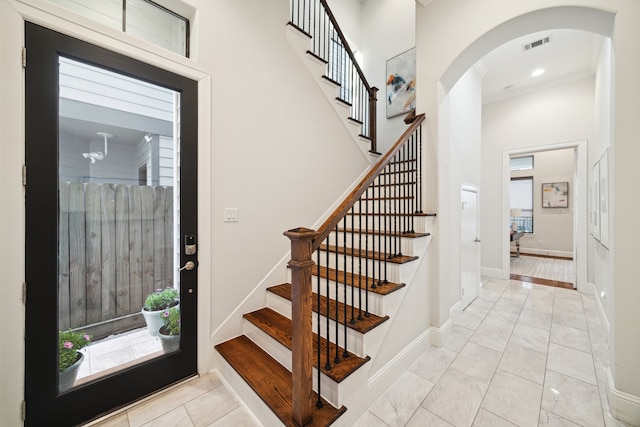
{"points": [[624, 407]]}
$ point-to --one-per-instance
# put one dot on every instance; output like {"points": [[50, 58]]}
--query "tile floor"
{"points": [[521, 354]]}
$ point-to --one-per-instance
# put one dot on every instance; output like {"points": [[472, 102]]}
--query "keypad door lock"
{"points": [[190, 244]]}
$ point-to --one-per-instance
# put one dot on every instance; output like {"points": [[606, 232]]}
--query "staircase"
{"points": [[363, 258], [308, 352]]}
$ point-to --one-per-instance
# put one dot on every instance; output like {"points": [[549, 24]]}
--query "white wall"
{"points": [[562, 114], [600, 269], [461, 114], [552, 227], [468, 39], [347, 13], [388, 29]]}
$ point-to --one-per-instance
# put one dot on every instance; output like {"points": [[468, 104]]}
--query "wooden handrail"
{"points": [[354, 196]]}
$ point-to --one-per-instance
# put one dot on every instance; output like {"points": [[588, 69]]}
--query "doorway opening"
{"points": [[548, 249]]}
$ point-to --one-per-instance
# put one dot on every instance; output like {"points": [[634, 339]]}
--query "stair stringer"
{"points": [[301, 44]]}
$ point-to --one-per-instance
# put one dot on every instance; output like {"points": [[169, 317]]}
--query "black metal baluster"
{"points": [[412, 179], [406, 188], [337, 295], [419, 167], [319, 322], [327, 366], [386, 219], [353, 282], [396, 191], [400, 201], [379, 231], [360, 260], [371, 233], [366, 262], [345, 354]]}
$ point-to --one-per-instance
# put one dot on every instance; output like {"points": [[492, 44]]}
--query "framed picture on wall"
{"points": [[401, 84], [555, 195]]}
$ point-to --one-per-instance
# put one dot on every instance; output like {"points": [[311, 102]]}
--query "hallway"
{"points": [[522, 354]]}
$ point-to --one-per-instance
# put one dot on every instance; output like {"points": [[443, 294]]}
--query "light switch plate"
{"points": [[230, 214]]}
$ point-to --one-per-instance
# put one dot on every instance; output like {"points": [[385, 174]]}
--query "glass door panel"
{"points": [[118, 281]]}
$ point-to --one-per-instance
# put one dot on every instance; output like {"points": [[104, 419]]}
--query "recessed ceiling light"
{"points": [[509, 87], [537, 72]]}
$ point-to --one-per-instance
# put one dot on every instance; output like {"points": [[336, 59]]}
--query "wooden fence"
{"points": [[115, 247]]}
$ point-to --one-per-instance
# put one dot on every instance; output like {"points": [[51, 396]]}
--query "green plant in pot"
{"points": [[169, 332], [155, 304], [70, 357]]}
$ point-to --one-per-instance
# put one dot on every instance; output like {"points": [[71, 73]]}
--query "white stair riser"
{"points": [[422, 224], [387, 207], [367, 241], [368, 268], [357, 343], [333, 392]]}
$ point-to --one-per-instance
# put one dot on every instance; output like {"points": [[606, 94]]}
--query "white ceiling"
{"points": [[569, 56]]}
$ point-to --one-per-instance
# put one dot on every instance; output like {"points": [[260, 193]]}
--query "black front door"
{"points": [[111, 217]]}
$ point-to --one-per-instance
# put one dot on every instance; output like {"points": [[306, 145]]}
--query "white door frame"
{"points": [[580, 231], [476, 190]]}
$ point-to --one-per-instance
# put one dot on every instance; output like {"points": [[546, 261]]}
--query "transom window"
{"points": [[141, 18], [521, 163]]}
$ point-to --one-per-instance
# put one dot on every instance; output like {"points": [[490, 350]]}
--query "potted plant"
{"points": [[155, 304], [70, 357], [169, 332]]}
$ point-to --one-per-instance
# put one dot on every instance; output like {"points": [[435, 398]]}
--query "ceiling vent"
{"points": [[537, 43]]}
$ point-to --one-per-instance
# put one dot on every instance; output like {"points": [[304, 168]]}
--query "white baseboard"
{"points": [[534, 251], [624, 407], [440, 335]]}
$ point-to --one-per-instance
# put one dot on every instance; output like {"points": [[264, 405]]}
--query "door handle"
{"points": [[189, 265], [477, 240]]}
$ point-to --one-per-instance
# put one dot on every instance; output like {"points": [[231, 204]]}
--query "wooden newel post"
{"points": [[373, 119], [301, 265]]}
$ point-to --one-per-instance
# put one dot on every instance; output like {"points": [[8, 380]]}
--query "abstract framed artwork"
{"points": [[401, 84], [555, 195]]}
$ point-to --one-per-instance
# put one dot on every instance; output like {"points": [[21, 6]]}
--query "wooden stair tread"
{"points": [[361, 253], [271, 381], [392, 184], [354, 280], [413, 235], [373, 199], [280, 329], [362, 325], [416, 214]]}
